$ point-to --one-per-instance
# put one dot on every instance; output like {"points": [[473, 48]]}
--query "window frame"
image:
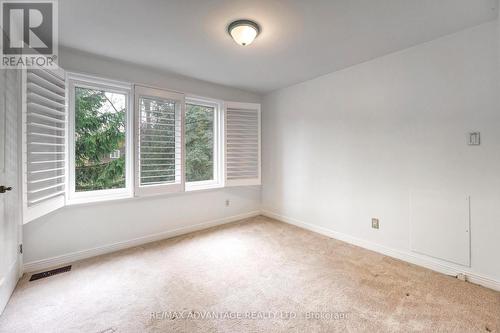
{"points": [[218, 153], [92, 82]]}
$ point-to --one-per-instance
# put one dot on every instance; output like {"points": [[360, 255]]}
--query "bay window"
{"points": [[87, 139]]}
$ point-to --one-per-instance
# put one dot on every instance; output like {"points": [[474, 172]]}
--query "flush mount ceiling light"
{"points": [[243, 31]]}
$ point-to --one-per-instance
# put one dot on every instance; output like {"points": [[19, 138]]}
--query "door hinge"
{"points": [[20, 248]]}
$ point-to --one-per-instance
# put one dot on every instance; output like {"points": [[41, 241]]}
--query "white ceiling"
{"points": [[300, 39]]}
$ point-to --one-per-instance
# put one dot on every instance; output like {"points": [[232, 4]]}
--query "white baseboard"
{"points": [[7, 284], [410, 257], [79, 255]]}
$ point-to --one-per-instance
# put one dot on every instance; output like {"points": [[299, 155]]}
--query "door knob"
{"points": [[4, 189]]}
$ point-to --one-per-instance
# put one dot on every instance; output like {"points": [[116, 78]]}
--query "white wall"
{"points": [[80, 228], [351, 145]]}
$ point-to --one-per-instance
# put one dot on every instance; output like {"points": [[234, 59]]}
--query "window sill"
{"points": [[98, 199], [201, 186]]}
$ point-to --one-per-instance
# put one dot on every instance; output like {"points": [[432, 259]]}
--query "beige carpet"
{"points": [[258, 275]]}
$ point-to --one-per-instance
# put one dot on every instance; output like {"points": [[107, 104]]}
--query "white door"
{"points": [[9, 173]]}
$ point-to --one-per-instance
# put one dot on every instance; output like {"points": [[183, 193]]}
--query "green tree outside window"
{"points": [[99, 132], [199, 138]]}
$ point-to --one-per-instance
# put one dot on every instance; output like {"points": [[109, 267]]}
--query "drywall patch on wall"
{"points": [[440, 225]]}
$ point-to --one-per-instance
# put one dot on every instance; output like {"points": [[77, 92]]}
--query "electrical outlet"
{"points": [[375, 224], [227, 202]]}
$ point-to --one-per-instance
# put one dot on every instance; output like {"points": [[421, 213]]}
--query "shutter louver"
{"points": [[242, 144], [44, 125], [160, 151]]}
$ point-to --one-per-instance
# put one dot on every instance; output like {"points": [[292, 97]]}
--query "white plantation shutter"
{"points": [[159, 147], [242, 133], [44, 146]]}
